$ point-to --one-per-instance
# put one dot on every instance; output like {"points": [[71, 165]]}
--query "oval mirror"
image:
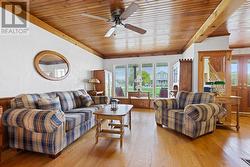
{"points": [[52, 65]]}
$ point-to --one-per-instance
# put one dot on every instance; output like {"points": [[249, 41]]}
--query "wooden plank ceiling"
{"points": [[238, 27], [169, 24]]}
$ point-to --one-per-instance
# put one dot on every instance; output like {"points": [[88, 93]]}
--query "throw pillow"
{"points": [[86, 100], [49, 104], [78, 100]]}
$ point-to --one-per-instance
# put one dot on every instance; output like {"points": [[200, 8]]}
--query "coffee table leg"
{"points": [[129, 120], [121, 131], [237, 117], [98, 127]]}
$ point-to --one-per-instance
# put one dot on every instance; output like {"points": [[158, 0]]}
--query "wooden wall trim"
{"points": [[145, 54], [31, 18], [237, 55], [5, 102], [215, 51], [223, 11]]}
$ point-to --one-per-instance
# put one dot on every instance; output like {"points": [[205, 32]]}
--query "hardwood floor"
{"points": [[146, 145]]}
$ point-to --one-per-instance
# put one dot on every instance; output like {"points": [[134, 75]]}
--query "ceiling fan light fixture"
{"points": [[119, 15], [110, 32]]}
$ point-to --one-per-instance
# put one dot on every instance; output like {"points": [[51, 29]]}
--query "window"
{"points": [[161, 80], [120, 81], [148, 78], [234, 72], [133, 71], [154, 79], [175, 75]]}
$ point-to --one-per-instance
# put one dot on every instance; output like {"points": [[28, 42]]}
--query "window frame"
{"points": [[140, 71]]}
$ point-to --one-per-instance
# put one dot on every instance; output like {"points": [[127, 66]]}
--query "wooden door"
{"points": [[240, 74]]}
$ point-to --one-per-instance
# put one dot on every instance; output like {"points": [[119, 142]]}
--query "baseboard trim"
{"points": [[242, 113]]}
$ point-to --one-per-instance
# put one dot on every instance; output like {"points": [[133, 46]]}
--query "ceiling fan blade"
{"points": [[95, 17], [134, 28], [110, 32], [129, 11]]}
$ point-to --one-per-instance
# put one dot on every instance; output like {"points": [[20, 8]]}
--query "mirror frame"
{"points": [[40, 55]]}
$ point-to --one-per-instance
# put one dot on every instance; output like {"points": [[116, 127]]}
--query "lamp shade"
{"points": [[94, 80]]}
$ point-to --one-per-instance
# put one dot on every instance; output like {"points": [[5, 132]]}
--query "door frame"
{"points": [[228, 55]]}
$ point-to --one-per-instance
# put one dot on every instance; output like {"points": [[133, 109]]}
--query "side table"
{"points": [[230, 100]]}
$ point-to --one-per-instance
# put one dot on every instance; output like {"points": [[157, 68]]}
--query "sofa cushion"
{"points": [[75, 119], [48, 95], [77, 97], [49, 103], [175, 114], [185, 98], [88, 110], [67, 100], [41, 121], [197, 98], [25, 101], [29, 101], [181, 99], [86, 100]]}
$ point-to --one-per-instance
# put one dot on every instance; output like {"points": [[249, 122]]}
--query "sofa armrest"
{"points": [[165, 104], [100, 100], [40, 121], [161, 106], [203, 112]]}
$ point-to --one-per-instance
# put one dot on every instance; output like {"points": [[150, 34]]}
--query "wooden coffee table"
{"points": [[116, 128]]}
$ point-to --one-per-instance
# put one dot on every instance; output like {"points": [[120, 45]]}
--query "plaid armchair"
{"points": [[193, 114]]}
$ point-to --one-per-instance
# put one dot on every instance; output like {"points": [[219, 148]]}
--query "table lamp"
{"points": [[94, 81]]}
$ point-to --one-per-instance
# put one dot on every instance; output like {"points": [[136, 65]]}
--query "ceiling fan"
{"points": [[118, 16]]}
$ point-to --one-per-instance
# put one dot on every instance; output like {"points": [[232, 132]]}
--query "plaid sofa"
{"points": [[49, 131], [193, 114]]}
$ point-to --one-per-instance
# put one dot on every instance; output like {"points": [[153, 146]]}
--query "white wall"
{"points": [[170, 59], [18, 74], [189, 52]]}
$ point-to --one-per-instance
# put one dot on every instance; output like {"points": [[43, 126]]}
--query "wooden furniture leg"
{"points": [[237, 117], [158, 124], [121, 131], [98, 128], [130, 121], [55, 156]]}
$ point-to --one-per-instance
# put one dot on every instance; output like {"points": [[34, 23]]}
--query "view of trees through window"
{"points": [[133, 71], [120, 81], [161, 71], [148, 78], [234, 72], [154, 79]]}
